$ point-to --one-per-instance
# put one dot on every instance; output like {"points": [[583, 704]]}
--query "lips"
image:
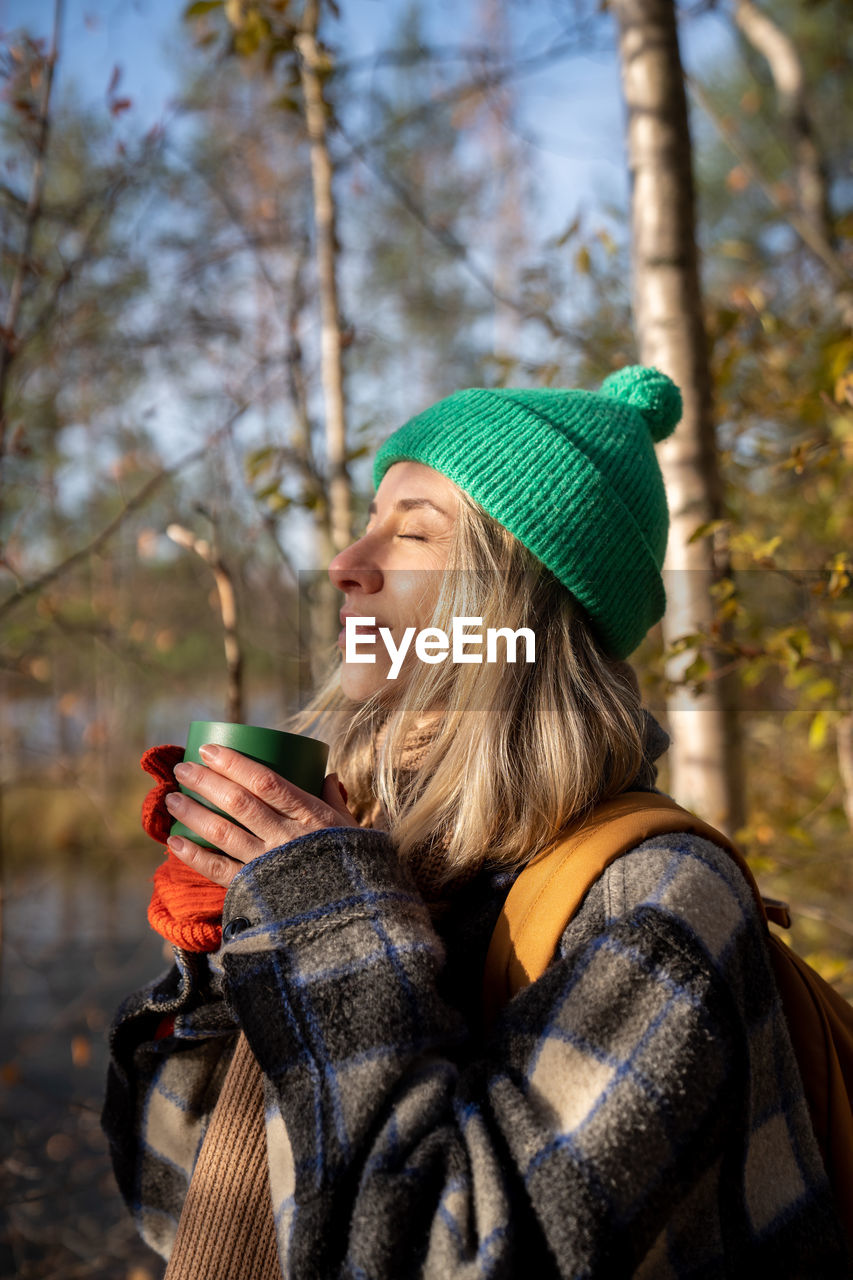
{"points": [[364, 631], [348, 613]]}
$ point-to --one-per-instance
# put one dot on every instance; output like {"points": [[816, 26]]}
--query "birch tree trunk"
{"points": [[705, 768], [335, 522]]}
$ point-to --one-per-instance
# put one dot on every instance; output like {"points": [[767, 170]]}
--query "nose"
{"points": [[352, 569]]}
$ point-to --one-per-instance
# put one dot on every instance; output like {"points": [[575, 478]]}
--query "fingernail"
{"points": [[182, 771], [176, 844], [174, 800], [209, 751]]}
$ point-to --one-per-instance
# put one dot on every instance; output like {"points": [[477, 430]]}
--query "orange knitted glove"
{"points": [[185, 907]]}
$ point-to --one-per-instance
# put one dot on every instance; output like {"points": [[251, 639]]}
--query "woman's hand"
{"points": [[272, 810]]}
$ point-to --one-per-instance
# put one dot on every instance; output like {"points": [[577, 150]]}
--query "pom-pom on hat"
{"points": [[573, 474]]}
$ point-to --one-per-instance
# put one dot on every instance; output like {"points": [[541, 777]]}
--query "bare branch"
{"points": [[210, 554], [254, 243], [800, 225], [501, 74], [8, 342], [786, 68], [480, 53], [72, 269], [27, 589], [455, 247]]}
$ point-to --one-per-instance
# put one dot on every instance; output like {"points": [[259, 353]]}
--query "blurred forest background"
{"points": [[343, 212]]}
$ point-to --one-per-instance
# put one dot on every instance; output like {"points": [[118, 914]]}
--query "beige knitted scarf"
{"points": [[227, 1227]]}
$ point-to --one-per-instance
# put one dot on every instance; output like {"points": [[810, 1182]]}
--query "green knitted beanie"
{"points": [[573, 474]]}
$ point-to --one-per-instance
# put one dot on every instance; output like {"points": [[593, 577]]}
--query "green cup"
{"points": [[300, 760]]}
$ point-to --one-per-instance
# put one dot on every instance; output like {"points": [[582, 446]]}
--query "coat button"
{"points": [[235, 926]]}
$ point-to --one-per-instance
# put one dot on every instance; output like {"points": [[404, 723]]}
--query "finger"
{"points": [[214, 866], [335, 797], [242, 805], [277, 793], [216, 828]]}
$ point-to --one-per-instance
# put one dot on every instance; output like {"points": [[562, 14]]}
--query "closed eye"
{"points": [[416, 537]]}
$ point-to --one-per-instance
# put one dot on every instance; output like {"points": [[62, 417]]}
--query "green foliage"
{"points": [[256, 30], [201, 7], [782, 355]]}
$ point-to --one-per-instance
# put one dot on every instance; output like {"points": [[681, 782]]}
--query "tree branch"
{"points": [[508, 71], [135, 503], [8, 343], [252, 242], [454, 246], [786, 68], [210, 554], [816, 243], [73, 268]]}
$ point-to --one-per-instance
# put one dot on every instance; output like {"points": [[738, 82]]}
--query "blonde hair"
{"points": [[520, 751]]}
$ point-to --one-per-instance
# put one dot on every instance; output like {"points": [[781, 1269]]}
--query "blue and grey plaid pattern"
{"points": [[636, 1112]]}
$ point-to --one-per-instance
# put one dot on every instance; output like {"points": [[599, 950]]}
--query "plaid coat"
{"points": [[637, 1111]]}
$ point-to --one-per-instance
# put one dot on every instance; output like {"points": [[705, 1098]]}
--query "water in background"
{"points": [[76, 941]]}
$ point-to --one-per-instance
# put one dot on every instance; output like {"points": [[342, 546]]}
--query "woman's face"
{"points": [[393, 572]]}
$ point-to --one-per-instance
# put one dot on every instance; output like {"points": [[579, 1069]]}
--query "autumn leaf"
{"points": [[201, 7]]}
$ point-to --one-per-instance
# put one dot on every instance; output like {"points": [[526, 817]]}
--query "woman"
{"points": [[636, 1111]]}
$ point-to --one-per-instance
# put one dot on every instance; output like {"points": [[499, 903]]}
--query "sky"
{"points": [[570, 113]]}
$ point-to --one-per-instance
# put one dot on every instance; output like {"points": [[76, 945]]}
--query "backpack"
{"points": [[547, 893]]}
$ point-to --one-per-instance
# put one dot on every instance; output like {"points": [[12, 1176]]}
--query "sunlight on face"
{"points": [[393, 571]]}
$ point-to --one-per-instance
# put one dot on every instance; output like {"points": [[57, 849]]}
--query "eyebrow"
{"points": [[409, 504]]}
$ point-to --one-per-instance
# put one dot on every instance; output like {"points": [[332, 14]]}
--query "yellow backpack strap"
{"points": [[548, 891]]}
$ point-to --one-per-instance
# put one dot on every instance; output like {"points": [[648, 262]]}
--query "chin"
{"points": [[358, 683]]}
